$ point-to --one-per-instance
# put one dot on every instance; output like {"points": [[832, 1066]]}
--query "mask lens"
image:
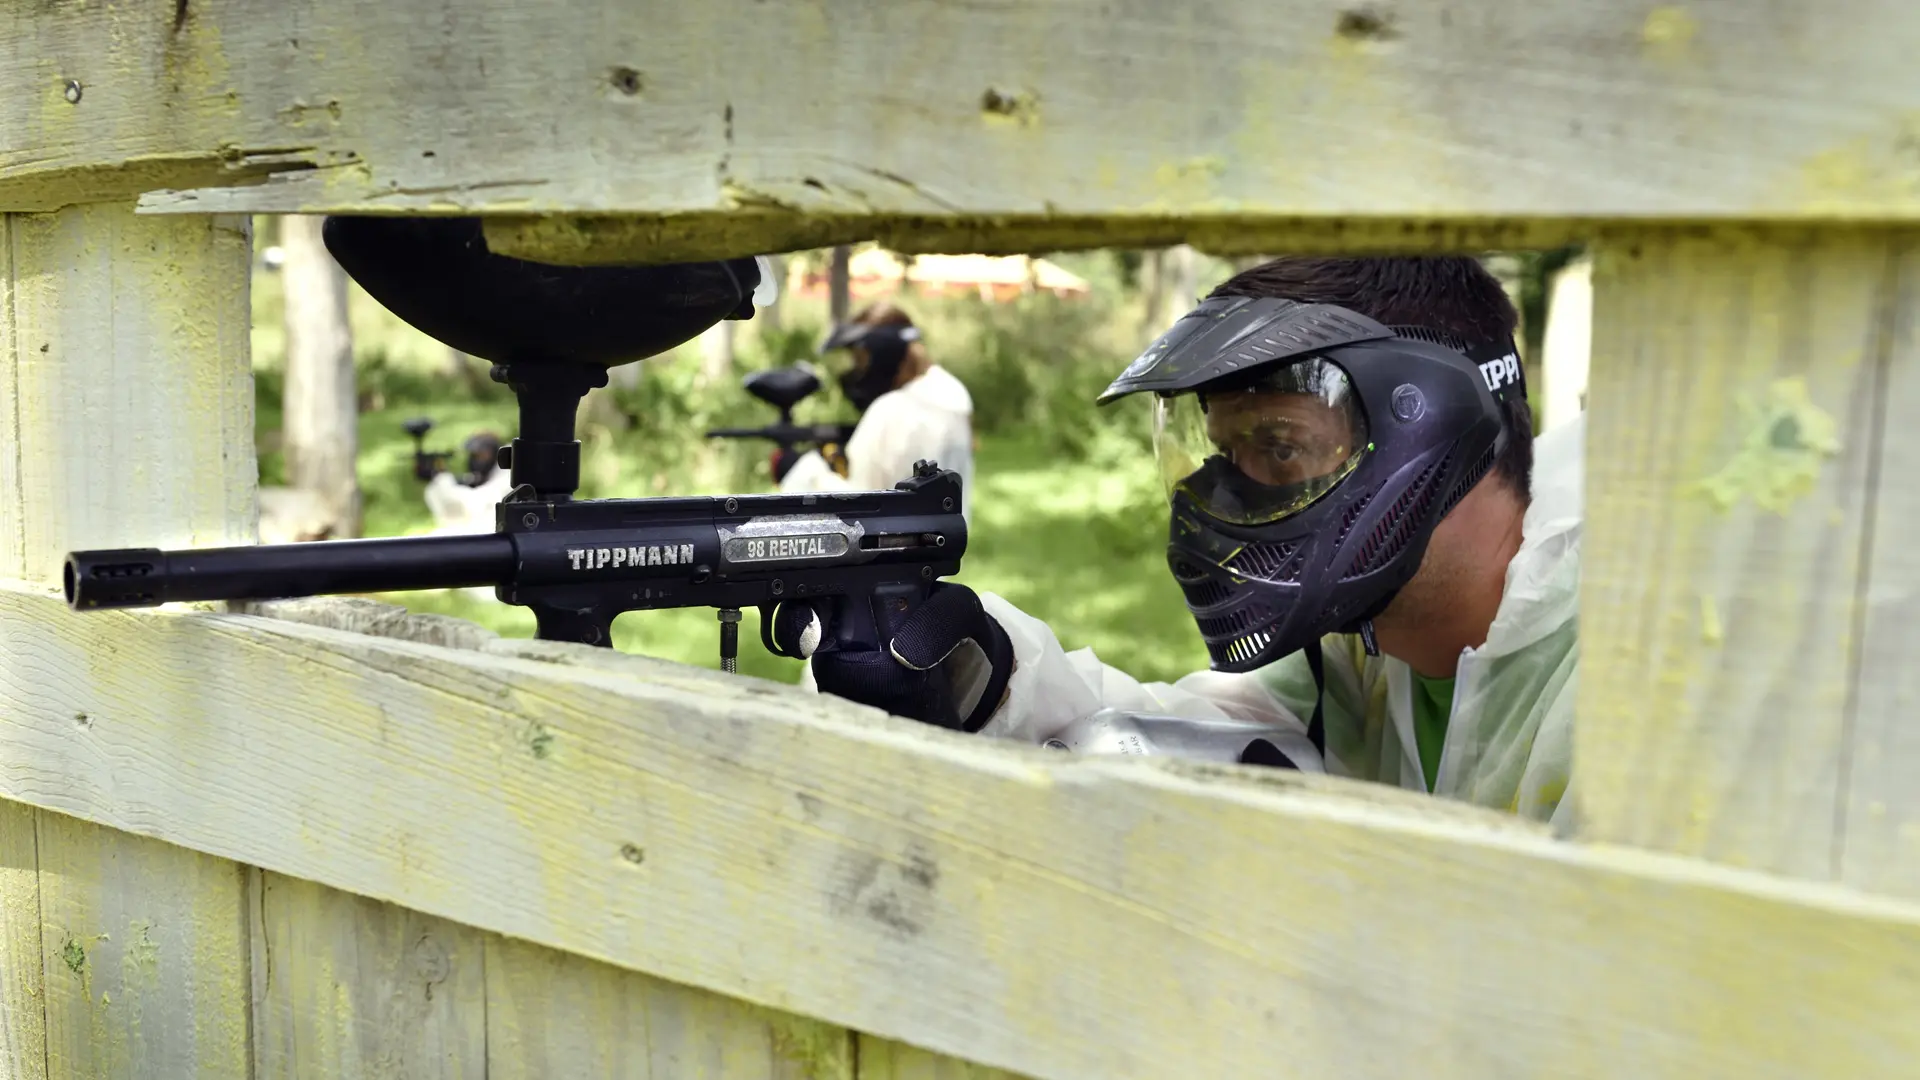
{"points": [[1263, 452], [844, 362]]}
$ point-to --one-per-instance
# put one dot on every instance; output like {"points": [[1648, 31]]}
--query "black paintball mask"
{"points": [[483, 453], [1308, 452], [886, 349]]}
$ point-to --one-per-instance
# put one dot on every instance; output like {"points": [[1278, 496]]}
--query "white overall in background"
{"points": [[457, 508], [928, 419]]}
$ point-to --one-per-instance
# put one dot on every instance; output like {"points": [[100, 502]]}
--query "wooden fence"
{"points": [[327, 839]]}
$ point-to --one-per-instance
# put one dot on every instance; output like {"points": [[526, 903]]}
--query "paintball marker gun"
{"points": [[483, 451], [784, 388], [426, 463], [551, 332]]}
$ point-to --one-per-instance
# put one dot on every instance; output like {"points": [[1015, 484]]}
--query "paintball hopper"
{"points": [[783, 388], [437, 274], [551, 332]]}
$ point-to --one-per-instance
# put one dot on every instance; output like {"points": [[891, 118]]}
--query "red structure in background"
{"points": [[876, 273]]}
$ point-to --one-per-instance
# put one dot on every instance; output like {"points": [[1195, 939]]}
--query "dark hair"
{"points": [[1451, 294], [882, 313]]}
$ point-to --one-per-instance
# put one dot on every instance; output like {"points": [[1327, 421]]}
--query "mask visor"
{"points": [[1265, 451], [845, 362]]}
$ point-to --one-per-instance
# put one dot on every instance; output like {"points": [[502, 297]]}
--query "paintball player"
{"points": [[911, 409], [464, 503], [1382, 560]]}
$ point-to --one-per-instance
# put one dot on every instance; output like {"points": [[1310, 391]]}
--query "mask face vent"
{"points": [[1432, 337], [1352, 515], [1467, 481], [1239, 650], [1269, 562], [1390, 536], [1234, 623], [1205, 594]]}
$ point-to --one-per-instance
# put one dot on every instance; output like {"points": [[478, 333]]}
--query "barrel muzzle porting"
{"points": [[120, 578]]}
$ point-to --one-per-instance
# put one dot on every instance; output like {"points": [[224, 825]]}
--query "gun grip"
{"points": [[872, 630]]}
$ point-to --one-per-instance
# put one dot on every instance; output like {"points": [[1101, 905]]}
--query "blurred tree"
{"points": [[840, 283], [716, 351], [466, 370], [321, 411], [1172, 287]]}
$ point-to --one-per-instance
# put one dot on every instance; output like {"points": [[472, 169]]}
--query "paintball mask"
{"points": [[1308, 452], [885, 348], [483, 453]]}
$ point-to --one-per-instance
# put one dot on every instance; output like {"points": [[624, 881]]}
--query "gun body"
{"points": [[428, 464], [872, 556], [578, 565], [784, 388]]}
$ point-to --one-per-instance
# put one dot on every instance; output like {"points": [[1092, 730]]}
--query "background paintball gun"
{"points": [[866, 558], [784, 388], [426, 463], [483, 451]]}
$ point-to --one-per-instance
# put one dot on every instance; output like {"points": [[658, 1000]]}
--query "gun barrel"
{"points": [[148, 577], [787, 433]]}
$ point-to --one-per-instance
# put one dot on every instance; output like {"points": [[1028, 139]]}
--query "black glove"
{"points": [[947, 663]]}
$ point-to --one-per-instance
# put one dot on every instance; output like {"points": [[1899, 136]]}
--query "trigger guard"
{"points": [[766, 631]]}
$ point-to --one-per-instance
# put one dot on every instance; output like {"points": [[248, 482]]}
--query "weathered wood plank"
{"points": [[129, 419], [775, 847], [23, 1008], [1882, 821], [1733, 422], [132, 398], [552, 1014], [13, 526], [354, 988], [818, 122], [549, 1013], [588, 239], [145, 953], [884, 1059], [362, 615]]}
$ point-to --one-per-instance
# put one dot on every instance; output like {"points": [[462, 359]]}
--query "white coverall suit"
{"points": [[458, 509], [1509, 735], [928, 419]]}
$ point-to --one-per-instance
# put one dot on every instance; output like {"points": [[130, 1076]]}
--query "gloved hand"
{"points": [[947, 663], [835, 456], [782, 461]]}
